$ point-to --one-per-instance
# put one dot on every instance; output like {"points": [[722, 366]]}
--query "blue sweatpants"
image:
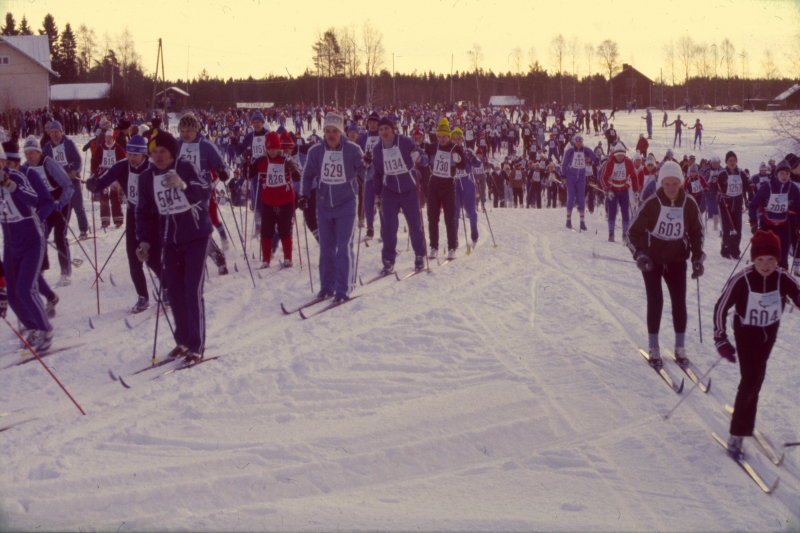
{"points": [[369, 203], [576, 190], [465, 195], [392, 203], [621, 199], [337, 230], [711, 203], [22, 264], [183, 272]]}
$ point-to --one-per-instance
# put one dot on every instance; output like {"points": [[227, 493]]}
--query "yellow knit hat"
{"points": [[443, 128], [457, 133]]}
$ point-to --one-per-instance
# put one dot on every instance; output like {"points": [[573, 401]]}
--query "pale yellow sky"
{"points": [[238, 38]]}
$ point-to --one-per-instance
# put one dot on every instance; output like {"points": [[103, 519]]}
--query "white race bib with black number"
{"points": [[619, 176], [43, 175], [333, 168], [169, 201], [60, 155], [393, 163], [132, 191], [578, 160], [190, 152], [697, 187], [275, 176], [441, 164], [109, 158], [735, 185], [10, 211], [778, 203], [259, 146], [763, 309], [669, 226]]}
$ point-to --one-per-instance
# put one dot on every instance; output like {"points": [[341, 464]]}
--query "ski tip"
{"points": [[774, 486], [680, 389], [780, 461], [128, 324], [708, 387], [304, 317], [397, 277], [111, 279], [361, 281], [235, 268], [122, 381], [283, 308], [112, 375], [91, 324]]}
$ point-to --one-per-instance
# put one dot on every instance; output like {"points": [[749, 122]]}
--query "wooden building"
{"points": [[629, 85], [25, 72]]}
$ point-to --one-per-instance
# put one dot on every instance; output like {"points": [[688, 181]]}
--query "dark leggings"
{"points": [[754, 345], [675, 276]]}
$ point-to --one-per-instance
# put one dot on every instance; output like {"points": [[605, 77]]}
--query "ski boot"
{"points": [[680, 357], [655, 358], [569, 223], [178, 351], [141, 304], [736, 447], [387, 269], [611, 237], [583, 226], [433, 254], [50, 306], [287, 263], [419, 263], [451, 254], [223, 270], [370, 233], [63, 281]]}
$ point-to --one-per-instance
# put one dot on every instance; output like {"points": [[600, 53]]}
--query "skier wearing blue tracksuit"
{"points": [[395, 189], [648, 120], [24, 199], [368, 141], [465, 188], [64, 152], [172, 188], [253, 147], [776, 208], [336, 163], [573, 168]]}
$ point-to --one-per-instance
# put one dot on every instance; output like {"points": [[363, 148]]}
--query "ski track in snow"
{"points": [[502, 391]]}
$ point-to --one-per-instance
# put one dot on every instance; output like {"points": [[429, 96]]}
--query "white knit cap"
{"points": [[31, 144], [670, 169], [619, 148], [335, 120]]}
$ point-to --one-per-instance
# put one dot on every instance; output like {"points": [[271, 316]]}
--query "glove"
{"points": [[290, 166], [697, 269], [7, 182], [469, 153], [456, 158], [725, 349], [91, 184], [644, 263], [58, 205], [142, 252], [223, 176], [248, 153], [610, 195], [367, 159], [415, 156], [173, 181], [754, 228], [302, 202], [3, 301]]}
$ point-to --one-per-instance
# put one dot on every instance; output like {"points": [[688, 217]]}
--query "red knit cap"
{"points": [[273, 141], [765, 243]]}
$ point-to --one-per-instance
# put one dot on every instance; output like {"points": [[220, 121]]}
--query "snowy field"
{"points": [[503, 391]]}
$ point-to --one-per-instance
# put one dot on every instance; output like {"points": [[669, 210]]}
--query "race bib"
{"points": [[109, 158], [578, 160], [10, 211], [132, 191], [669, 226], [778, 203], [697, 187], [333, 168], [441, 164], [370, 144], [259, 146], [763, 309], [619, 176], [43, 175], [275, 176], [190, 152], [60, 155], [734, 185], [393, 163], [169, 201]]}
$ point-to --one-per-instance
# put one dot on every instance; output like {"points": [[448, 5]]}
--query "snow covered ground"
{"points": [[503, 391]]}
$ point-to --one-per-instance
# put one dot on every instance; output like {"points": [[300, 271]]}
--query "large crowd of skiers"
{"points": [[451, 162]]}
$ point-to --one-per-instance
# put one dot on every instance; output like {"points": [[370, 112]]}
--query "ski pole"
{"points": [[222, 217], [246, 212], [699, 315], [358, 247], [17, 333], [736, 266], [96, 272], [703, 377], [308, 254], [85, 253], [730, 218], [297, 230], [421, 220], [160, 297], [494, 243], [241, 239], [112, 252], [464, 219]]}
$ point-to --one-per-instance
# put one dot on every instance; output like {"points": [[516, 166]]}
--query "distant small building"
{"points": [[788, 99], [81, 95], [631, 85], [25, 72], [175, 99], [505, 101]]}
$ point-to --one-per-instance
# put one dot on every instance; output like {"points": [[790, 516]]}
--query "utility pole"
{"points": [[451, 77], [394, 85]]}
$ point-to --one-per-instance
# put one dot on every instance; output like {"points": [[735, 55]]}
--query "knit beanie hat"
{"points": [[334, 119], [352, 127], [273, 141], [763, 166], [31, 144], [11, 148], [385, 121], [457, 133], [443, 128], [618, 148], [137, 145], [692, 168], [670, 169], [765, 243], [650, 160], [793, 160], [258, 115], [287, 143], [188, 121], [163, 139], [783, 165], [417, 132], [730, 154], [124, 124], [55, 125], [373, 116], [577, 137]]}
